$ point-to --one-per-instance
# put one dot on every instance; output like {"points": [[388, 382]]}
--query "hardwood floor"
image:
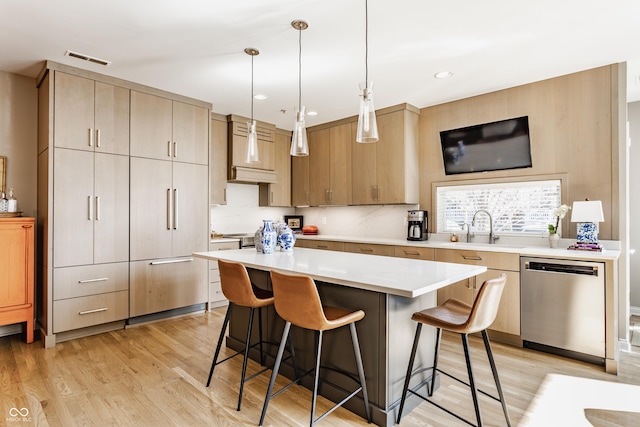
{"points": [[154, 375]]}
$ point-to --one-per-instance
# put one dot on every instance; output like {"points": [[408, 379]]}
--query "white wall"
{"points": [[634, 206], [242, 214]]}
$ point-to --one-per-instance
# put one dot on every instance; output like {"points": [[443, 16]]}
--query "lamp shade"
{"points": [[587, 211]]}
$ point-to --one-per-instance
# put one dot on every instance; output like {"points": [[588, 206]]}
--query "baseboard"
{"points": [[17, 328]]}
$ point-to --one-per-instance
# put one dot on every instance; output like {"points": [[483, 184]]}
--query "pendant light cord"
{"points": [[252, 88], [299, 68], [366, 44]]}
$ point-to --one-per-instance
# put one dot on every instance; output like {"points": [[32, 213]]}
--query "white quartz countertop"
{"points": [[524, 248], [395, 276]]}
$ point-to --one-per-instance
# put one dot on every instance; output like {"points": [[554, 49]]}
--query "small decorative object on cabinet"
{"points": [[553, 240], [17, 272], [266, 238], [286, 238]]}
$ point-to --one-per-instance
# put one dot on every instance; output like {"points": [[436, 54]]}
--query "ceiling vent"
{"points": [[87, 58]]}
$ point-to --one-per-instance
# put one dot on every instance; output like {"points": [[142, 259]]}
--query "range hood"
{"points": [[245, 175]]}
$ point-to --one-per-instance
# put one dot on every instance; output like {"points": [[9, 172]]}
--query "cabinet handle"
{"points": [[378, 193], [366, 250], [169, 217], [171, 261], [175, 149], [97, 310], [225, 194], [101, 279], [90, 137], [97, 208], [472, 258], [272, 197], [306, 197], [373, 192], [90, 208], [411, 253], [169, 148], [26, 226], [98, 138], [175, 209], [322, 246]]}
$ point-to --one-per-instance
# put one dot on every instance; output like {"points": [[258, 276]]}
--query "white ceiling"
{"points": [[196, 47]]}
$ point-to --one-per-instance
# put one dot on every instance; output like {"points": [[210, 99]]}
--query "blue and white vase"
{"points": [[286, 238], [266, 238]]}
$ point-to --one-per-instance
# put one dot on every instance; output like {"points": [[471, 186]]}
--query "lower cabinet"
{"points": [[327, 245], [415, 252], [508, 317], [216, 297], [369, 249], [89, 295], [166, 284]]}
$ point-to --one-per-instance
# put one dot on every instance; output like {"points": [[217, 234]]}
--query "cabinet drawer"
{"points": [[494, 260], [222, 246], [415, 252], [328, 245], [166, 284], [363, 248], [215, 292], [75, 313], [71, 282]]}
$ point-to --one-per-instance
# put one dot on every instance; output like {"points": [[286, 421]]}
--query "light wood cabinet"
{"points": [[327, 245], [166, 129], [386, 172], [279, 193], [415, 252], [91, 115], [239, 169], [17, 272], [508, 317], [300, 181], [218, 160], [216, 297], [369, 249], [91, 208], [330, 165]]}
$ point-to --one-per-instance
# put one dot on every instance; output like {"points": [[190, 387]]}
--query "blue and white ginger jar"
{"points": [[286, 238], [266, 237]]}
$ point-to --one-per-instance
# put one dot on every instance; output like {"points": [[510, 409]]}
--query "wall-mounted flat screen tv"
{"points": [[487, 147]]}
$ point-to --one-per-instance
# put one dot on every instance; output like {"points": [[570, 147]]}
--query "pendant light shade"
{"points": [[252, 154], [367, 123], [299, 143]]}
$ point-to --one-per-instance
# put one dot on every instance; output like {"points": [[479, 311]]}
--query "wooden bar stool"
{"points": [[297, 302], [456, 316], [238, 289]]}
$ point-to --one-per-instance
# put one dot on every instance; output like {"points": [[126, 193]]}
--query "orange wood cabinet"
{"points": [[17, 272]]}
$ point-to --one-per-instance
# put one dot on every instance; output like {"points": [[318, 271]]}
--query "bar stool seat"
{"points": [[298, 303], [238, 289], [458, 317]]}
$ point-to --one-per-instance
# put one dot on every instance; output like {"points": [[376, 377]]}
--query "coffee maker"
{"points": [[417, 225]]}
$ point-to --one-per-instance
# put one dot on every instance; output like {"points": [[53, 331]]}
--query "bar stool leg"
{"points": [[276, 367], [245, 358], [363, 382], [487, 346], [260, 335], [217, 353], [431, 389], [316, 375], [472, 383], [409, 370]]}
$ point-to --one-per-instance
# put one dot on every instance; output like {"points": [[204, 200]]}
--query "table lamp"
{"points": [[587, 214]]}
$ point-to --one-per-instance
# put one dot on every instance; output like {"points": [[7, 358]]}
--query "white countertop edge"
{"points": [[410, 278], [523, 249]]}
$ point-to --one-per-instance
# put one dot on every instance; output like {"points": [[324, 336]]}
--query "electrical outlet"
{"points": [[324, 220]]}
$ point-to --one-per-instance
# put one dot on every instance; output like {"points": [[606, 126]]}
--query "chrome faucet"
{"points": [[469, 234], [492, 237]]}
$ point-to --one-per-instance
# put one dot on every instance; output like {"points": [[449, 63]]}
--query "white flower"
{"points": [[561, 211]]}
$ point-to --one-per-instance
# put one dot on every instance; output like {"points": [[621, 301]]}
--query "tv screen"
{"points": [[487, 147]]}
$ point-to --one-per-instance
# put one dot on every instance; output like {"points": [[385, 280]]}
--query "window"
{"points": [[516, 207]]}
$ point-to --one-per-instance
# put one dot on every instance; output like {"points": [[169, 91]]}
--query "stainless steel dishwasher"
{"points": [[562, 307]]}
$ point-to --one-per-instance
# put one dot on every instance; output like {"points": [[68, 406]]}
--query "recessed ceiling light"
{"points": [[260, 96], [312, 113], [443, 75]]}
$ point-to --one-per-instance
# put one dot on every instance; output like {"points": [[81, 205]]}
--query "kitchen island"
{"points": [[388, 289]]}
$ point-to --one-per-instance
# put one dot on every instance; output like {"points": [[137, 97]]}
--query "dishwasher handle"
{"points": [[585, 270]]}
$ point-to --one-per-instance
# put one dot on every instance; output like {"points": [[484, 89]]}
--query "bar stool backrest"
{"points": [[296, 300], [236, 284], [485, 307]]}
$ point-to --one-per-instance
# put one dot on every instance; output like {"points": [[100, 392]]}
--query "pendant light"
{"points": [[252, 155], [299, 143], [367, 124]]}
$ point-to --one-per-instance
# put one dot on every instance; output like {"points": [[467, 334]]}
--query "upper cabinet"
{"points": [[279, 193], [218, 160], [166, 129], [239, 169], [300, 181], [330, 165], [386, 171], [90, 115]]}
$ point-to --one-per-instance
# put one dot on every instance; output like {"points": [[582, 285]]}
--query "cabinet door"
{"points": [[279, 194], [508, 317], [364, 172], [111, 119], [111, 224], [14, 262], [390, 159], [151, 126], [300, 181], [151, 214], [190, 133], [218, 162], [340, 164], [319, 167], [191, 209], [73, 112], [73, 207]]}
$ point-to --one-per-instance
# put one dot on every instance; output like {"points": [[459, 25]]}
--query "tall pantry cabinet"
{"points": [[89, 201]]}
